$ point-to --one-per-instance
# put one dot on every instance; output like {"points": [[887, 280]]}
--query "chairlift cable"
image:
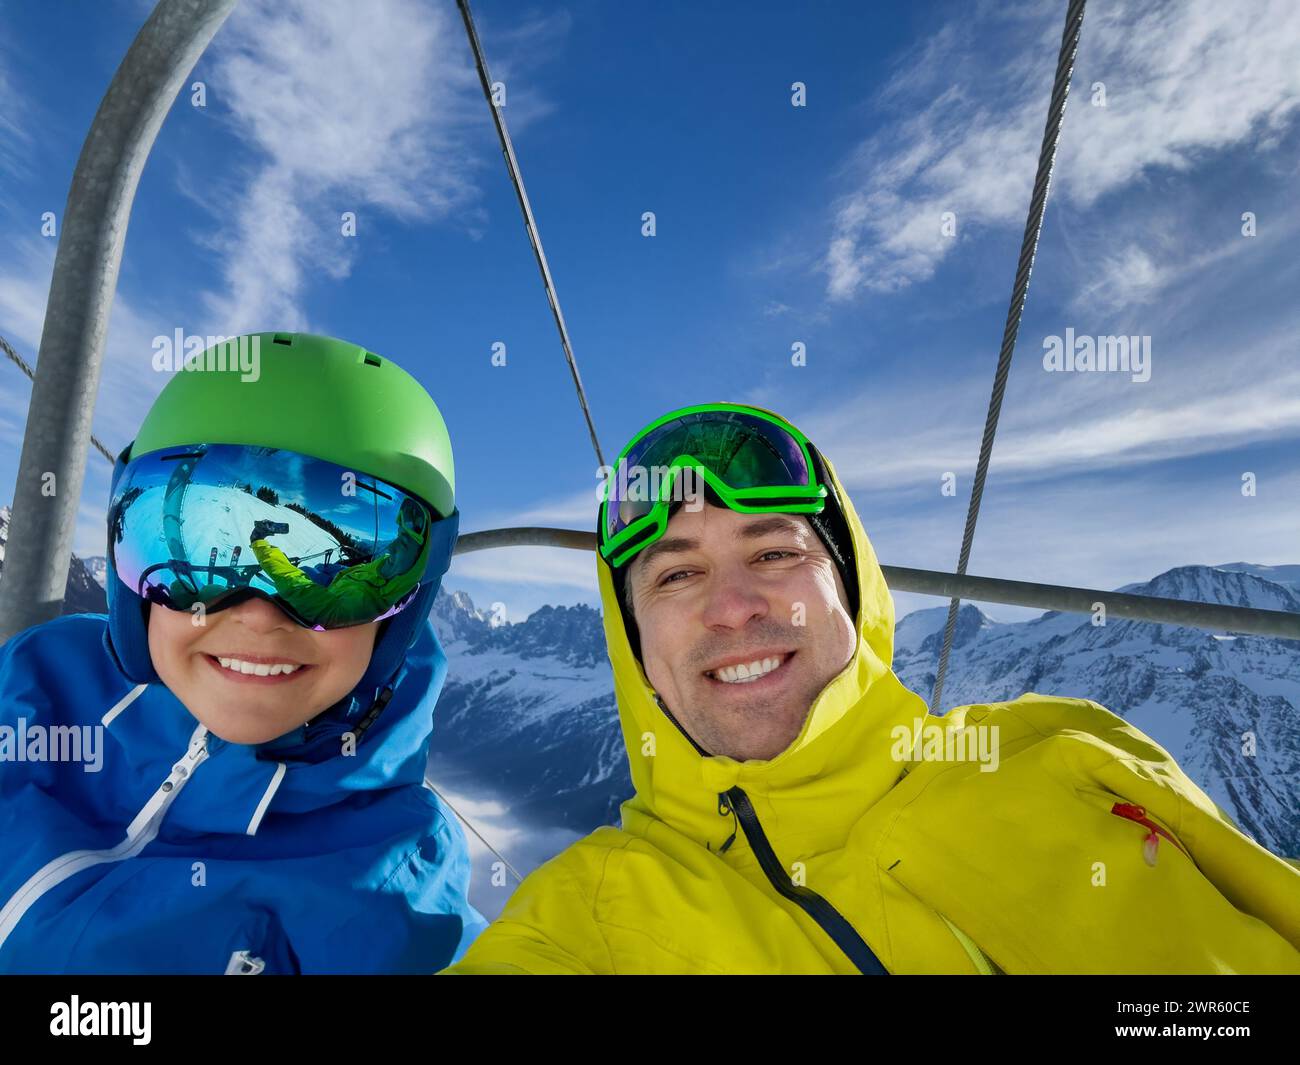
{"points": [[516, 178], [1020, 290]]}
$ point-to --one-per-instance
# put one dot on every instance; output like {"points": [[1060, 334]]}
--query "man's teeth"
{"points": [[259, 669], [743, 674]]}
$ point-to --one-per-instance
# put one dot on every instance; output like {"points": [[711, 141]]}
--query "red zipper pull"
{"points": [[1149, 848], [1151, 840]]}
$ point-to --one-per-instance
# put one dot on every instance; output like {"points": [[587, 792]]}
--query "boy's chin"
{"points": [[241, 728]]}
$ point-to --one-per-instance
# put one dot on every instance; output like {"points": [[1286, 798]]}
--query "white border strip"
{"points": [[271, 789], [122, 704]]}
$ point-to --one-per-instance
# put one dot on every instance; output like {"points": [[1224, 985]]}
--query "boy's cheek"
{"points": [[162, 643]]}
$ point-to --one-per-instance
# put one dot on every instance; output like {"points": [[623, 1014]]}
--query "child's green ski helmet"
{"points": [[317, 396]]}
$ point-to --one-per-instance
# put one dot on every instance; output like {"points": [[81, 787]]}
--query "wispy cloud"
{"points": [[24, 285], [528, 566], [1123, 278], [1198, 402], [1181, 80], [1094, 532], [363, 108], [514, 47], [15, 136]]}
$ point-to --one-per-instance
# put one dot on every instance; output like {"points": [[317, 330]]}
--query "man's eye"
{"points": [[669, 577], [776, 553]]}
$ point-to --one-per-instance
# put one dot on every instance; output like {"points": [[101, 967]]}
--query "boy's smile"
{"points": [[250, 673], [256, 669]]}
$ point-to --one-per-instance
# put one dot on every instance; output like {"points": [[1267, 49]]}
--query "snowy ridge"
{"points": [[82, 595]]}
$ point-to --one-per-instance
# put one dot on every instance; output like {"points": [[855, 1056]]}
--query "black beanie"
{"points": [[831, 527]]}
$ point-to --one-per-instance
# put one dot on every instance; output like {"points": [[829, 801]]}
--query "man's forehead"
{"points": [[687, 522], [688, 530]]}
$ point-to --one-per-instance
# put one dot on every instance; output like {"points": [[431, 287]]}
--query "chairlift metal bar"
{"points": [[1211, 616]]}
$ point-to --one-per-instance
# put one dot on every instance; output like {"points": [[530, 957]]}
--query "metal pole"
{"points": [[1212, 616], [530, 536], [52, 467]]}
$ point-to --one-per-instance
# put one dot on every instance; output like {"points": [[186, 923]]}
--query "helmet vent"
{"points": [[284, 338], [372, 359]]}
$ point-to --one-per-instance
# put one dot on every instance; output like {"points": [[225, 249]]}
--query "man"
{"points": [[794, 810]]}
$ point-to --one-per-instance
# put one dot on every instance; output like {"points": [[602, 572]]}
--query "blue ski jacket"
{"points": [[134, 841]]}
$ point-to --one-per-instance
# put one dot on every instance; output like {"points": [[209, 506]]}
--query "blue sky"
{"points": [[776, 225]]}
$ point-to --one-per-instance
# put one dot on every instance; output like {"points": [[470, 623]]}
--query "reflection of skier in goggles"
{"points": [[354, 593]]}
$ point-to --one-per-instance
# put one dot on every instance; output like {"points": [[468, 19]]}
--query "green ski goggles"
{"points": [[756, 462]]}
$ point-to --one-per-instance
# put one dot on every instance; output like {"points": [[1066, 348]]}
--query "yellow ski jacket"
{"points": [[1086, 850], [359, 592]]}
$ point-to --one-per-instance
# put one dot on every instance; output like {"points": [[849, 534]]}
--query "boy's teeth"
{"points": [[258, 669], [747, 671]]}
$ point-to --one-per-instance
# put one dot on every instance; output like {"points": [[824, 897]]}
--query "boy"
{"points": [[226, 773]]}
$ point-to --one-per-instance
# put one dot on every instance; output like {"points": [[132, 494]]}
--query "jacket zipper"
{"points": [[828, 918], [140, 833]]}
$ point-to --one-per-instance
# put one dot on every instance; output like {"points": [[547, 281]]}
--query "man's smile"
{"points": [[749, 668]]}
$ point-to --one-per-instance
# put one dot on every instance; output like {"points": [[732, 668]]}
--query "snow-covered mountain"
{"points": [[528, 718], [97, 567], [83, 594], [1288, 576], [1200, 695], [528, 708]]}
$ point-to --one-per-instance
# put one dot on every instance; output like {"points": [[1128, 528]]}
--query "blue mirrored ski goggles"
{"points": [[217, 523]]}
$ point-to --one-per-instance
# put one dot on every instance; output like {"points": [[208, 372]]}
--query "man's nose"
{"points": [[733, 601]]}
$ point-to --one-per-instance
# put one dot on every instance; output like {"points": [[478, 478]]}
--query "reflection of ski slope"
{"points": [[234, 512]]}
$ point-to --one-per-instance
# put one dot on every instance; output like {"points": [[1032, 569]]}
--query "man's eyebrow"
{"points": [[666, 546], [776, 523]]}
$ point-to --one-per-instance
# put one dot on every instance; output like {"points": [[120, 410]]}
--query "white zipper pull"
{"points": [[170, 788], [197, 753]]}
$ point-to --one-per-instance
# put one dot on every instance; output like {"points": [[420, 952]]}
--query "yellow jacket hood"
{"points": [[844, 753]]}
